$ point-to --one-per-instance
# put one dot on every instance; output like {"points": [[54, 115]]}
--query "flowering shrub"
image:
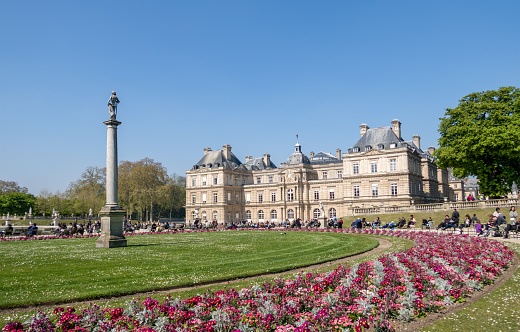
{"points": [[438, 271]]}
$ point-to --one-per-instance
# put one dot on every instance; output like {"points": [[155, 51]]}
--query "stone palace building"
{"points": [[381, 169]]}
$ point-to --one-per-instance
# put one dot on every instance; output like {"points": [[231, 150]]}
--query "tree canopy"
{"points": [[481, 137], [7, 187], [88, 192], [16, 203], [145, 186]]}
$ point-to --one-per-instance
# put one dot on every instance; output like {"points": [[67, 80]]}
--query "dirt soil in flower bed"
{"points": [[383, 245], [418, 324]]}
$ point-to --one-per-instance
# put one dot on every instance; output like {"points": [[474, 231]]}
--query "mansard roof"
{"points": [[324, 158], [377, 138], [217, 159], [383, 138], [255, 164]]}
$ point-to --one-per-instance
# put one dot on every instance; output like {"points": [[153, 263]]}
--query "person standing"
{"points": [[455, 216], [513, 217]]}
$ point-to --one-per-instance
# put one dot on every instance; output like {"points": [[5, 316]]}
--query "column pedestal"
{"points": [[111, 214], [111, 228], [324, 222]]}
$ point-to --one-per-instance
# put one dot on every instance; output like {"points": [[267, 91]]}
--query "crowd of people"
{"points": [[401, 223], [497, 225], [295, 223]]}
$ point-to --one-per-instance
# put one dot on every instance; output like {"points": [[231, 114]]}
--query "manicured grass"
{"points": [[497, 311], [73, 269], [398, 244]]}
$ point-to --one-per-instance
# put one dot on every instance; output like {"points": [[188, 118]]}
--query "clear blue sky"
{"points": [[251, 74]]}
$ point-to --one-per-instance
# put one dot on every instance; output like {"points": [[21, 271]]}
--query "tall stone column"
{"points": [[112, 214]]}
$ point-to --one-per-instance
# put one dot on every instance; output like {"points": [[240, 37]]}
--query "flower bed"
{"points": [[438, 271]]}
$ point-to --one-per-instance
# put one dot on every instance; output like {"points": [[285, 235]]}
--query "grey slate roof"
{"points": [[377, 136], [216, 159], [472, 183], [255, 164], [452, 177], [298, 158], [324, 158], [382, 138]]}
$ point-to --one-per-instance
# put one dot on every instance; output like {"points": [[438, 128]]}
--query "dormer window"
{"points": [[368, 148], [380, 146], [393, 145], [355, 149]]}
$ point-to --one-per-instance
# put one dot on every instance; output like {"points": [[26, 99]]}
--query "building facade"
{"points": [[381, 169]]}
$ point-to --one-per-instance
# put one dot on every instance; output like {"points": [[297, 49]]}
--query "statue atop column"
{"points": [[111, 214], [112, 105]]}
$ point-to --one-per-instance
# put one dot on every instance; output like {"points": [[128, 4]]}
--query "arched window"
{"points": [[316, 213], [261, 215], [290, 214], [248, 215], [273, 215], [380, 146], [204, 215], [290, 195], [215, 215], [332, 213]]}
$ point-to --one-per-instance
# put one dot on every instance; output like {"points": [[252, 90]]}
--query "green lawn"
{"points": [[73, 269]]}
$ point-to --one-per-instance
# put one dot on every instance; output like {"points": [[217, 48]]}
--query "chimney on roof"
{"points": [[363, 129], [311, 154], [267, 159], [396, 128], [338, 154], [431, 150], [248, 159], [226, 149], [206, 150], [417, 141]]}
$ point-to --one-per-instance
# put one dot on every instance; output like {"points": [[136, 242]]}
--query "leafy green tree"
{"points": [[481, 137], [140, 186], [88, 192], [16, 203]]}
